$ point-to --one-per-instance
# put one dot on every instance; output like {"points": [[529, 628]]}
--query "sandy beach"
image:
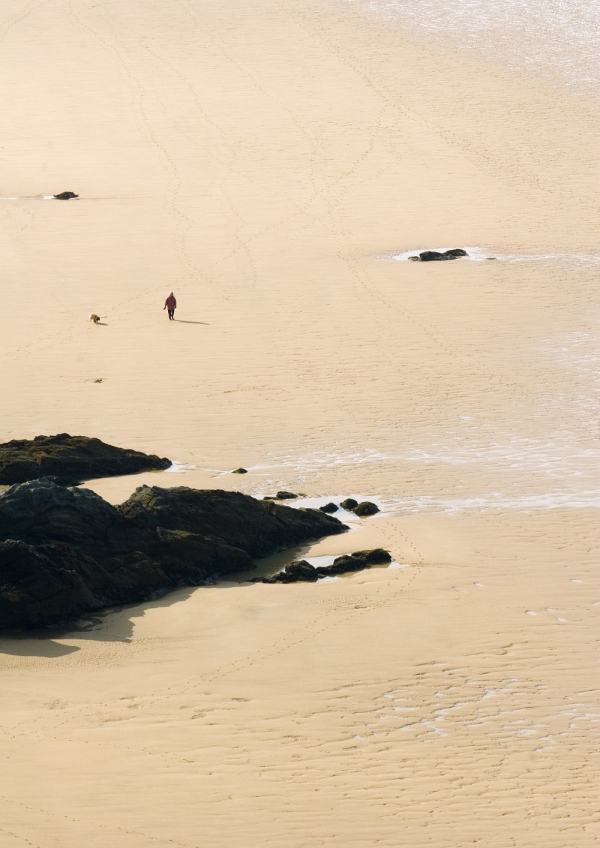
{"points": [[272, 163]]}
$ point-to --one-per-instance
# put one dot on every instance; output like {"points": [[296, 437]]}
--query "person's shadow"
{"points": [[181, 321]]}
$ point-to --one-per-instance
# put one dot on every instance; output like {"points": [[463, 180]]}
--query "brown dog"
{"points": [[95, 319]]}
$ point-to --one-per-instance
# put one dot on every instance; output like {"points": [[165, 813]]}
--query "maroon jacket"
{"points": [[170, 302]]}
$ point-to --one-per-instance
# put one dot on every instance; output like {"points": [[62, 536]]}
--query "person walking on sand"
{"points": [[171, 306]]}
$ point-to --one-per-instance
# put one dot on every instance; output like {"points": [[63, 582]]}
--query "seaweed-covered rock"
{"points": [[72, 459], [349, 504], [366, 508], [65, 195], [329, 508], [285, 496], [65, 551], [240, 471], [456, 251], [261, 528]]}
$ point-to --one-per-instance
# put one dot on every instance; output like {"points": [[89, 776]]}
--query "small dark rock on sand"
{"points": [[304, 572], [436, 256], [285, 496], [329, 508], [65, 195], [366, 508], [349, 504], [240, 471]]}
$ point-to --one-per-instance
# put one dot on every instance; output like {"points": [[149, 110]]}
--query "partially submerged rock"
{"points": [[366, 508], [438, 256], [304, 572], [66, 551], [433, 256], [329, 508], [285, 496], [72, 459], [349, 504], [65, 195]]}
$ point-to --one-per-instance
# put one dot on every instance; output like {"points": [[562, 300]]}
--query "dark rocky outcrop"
{"points": [[366, 508], [66, 551], [329, 508], [349, 504], [71, 458], [304, 572], [285, 496], [65, 195]]}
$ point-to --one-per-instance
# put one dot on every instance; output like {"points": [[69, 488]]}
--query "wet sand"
{"points": [[259, 161]]}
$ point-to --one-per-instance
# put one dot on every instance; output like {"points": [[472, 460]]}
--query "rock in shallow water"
{"points": [[349, 504], [304, 572], [65, 195], [72, 459], [366, 508], [65, 551], [434, 256], [438, 256], [329, 508]]}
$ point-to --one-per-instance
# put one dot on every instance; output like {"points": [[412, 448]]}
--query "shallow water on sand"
{"points": [[483, 254], [553, 37]]}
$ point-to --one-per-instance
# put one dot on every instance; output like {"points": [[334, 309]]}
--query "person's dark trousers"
{"points": [[171, 314]]}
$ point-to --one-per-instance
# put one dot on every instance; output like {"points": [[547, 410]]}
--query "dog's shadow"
{"points": [[181, 321], [101, 324]]}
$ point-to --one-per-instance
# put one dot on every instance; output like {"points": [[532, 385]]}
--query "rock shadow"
{"points": [[38, 645], [115, 624]]}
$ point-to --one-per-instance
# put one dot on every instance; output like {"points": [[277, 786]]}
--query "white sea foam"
{"points": [[556, 455], [487, 502], [179, 467], [552, 37], [495, 501], [484, 254], [343, 515]]}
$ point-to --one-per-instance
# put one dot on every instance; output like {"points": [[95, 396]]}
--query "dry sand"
{"points": [[257, 158]]}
